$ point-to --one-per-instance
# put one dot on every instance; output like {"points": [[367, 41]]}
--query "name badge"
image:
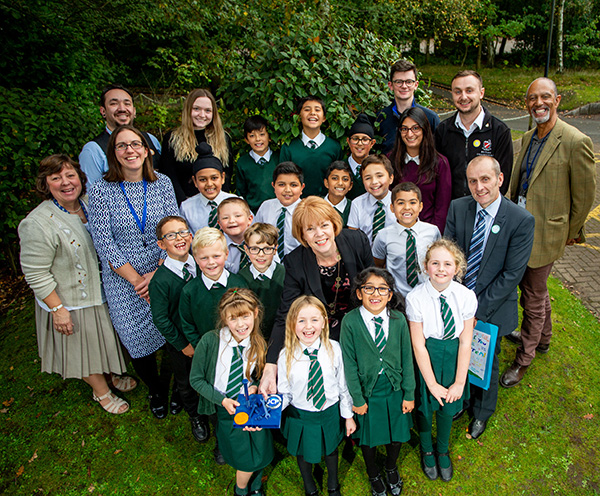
{"points": [[522, 202]]}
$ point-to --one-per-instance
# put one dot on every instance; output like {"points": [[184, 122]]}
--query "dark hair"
{"points": [[106, 89], [376, 159], [403, 66], [311, 98], [114, 173], [468, 72], [338, 165], [53, 164], [396, 301], [164, 220], [428, 156], [288, 168], [255, 123], [406, 187]]}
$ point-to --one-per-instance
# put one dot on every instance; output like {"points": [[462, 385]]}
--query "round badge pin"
{"points": [[476, 143], [495, 228]]}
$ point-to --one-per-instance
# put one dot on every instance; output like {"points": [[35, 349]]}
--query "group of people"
{"points": [[325, 299]]}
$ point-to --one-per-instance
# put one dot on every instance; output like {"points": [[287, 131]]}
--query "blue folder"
{"points": [[482, 354]]}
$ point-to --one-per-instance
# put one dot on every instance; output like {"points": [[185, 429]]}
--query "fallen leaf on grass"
{"points": [[91, 488], [8, 402], [20, 471], [33, 457], [479, 443], [588, 416], [117, 452], [506, 417], [83, 443], [4, 410], [459, 457], [529, 385], [11, 368], [137, 480]]}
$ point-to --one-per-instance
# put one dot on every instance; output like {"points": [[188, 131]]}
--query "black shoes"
{"points": [[377, 486], [395, 488], [158, 406], [430, 472], [477, 427], [199, 428], [514, 336], [175, 406], [219, 460], [445, 473]]}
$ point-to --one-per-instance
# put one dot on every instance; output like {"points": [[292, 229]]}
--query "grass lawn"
{"points": [[543, 440]]}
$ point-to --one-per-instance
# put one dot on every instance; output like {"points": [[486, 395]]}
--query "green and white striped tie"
{"points": [[212, 216], [316, 388], [448, 319], [235, 373], [281, 237], [378, 219], [412, 273], [380, 340]]}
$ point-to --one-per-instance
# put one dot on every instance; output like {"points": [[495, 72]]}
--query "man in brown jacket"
{"points": [[554, 178]]}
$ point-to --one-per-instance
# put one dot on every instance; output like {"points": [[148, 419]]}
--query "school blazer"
{"points": [[362, 358], [561, 190]]}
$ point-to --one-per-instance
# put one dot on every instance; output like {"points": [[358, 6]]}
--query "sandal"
{"points": [[123, 383], [114, 405]]}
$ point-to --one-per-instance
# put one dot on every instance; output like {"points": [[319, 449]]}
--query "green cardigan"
{"points": [[362, 360], [253, 181]]}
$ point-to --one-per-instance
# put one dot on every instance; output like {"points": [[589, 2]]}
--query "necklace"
{"points": [[73, 211]]}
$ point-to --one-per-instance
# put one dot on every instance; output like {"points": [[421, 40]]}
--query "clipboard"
{"points": [[482, 354]]}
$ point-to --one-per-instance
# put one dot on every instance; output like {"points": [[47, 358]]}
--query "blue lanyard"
{"points": [[528, 164], [142, 224]]}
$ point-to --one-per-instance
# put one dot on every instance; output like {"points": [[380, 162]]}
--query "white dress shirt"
{"points": [[176, 266], [196, 209], [319, 139], [477, 123], [226, 344], [363, 209], [209, 283], [256, 157], [269, 213]]}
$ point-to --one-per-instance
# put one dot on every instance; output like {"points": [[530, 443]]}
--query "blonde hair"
{"points": [[183, 140], [241, 301], [313, 210], [292, 343], [455, 251], [234, 200], [208, 236]]}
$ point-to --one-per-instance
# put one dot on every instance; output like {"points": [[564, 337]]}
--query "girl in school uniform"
{"points": [[441, 315], [311, 380], [379, 371], [221, 360]]}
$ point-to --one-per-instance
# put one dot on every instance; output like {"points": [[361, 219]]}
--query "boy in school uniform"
{"points": [[288, 183], [338, 181], [254, 170], [200, 297], [371, 211], [208, 176], [234, 218], [173, 235], [361, 138], [401, 247], [312, 151], [264, 275]]}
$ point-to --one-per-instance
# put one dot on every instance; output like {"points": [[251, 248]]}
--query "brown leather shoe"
{"points": [[514, 336], [513, 375]]}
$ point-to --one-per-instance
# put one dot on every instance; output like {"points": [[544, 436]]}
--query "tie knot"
{"points": [[442, 298], [482, 213], [212, 203], [311, 354], [378, 320], [283, 209], [379, 203]]}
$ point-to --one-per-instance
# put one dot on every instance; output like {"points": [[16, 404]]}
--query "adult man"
{"points": [[497, 237], [403, 84], [117, 109], [472, 131], [554, 178]]}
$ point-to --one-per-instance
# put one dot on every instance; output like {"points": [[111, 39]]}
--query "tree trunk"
{"points": [[478, 66], [502, 47], [491, 48], [559, 37], [462, 64], [426, 50]]}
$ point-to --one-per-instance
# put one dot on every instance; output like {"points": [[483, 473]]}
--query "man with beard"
{"points": [[472, 131], [554, 178]]}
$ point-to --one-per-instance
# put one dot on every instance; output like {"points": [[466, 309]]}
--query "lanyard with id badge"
{"points": [[522, 202]]}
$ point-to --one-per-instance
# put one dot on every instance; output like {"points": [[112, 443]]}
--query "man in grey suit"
{"points": [[496, 236]]}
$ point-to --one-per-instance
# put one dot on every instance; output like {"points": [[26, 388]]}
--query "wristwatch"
{"points": [[56, 309]]}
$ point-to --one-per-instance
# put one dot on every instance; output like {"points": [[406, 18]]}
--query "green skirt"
{"points": [[384, 421], [312, 435], [443, 355], [243, 450]]}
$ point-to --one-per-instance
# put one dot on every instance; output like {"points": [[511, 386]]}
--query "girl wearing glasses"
{"points": [[379, 370], [415, 160]]}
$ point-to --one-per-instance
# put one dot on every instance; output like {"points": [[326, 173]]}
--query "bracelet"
{"points": [[56, 309]]}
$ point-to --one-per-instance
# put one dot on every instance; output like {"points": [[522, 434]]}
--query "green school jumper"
{"points": [[314, 163], [358, 187], [253, 181], [346, 213], [199, 307], [268, 292]]}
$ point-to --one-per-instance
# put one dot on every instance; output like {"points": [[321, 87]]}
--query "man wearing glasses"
{"points": [[403, 84], [472, 131]]}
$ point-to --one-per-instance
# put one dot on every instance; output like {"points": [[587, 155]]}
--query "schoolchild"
{"points": [[264, 275], [222, 359], [288, 183], [200, 297], [441, 315], [173, 235], [401, 247], [371, 211], [379, 369], [311, 379], [208, 176], [254, 170], [361, 138], [234, 218], [313, 152], [338, 181]]}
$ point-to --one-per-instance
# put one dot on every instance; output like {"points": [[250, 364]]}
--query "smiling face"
{"points": [[542, 101], [406, 207], [483, 182], [403, 85], [338, 184], [288, 189], [467, 94], [132, 161], [258, 141], [360, 145], [309, 324], [118, 109], [374, 303], [209, 182], [241, 326], [412, 135], [320, 238], [377, 180], [202, 112], [178, 248], [312, 117], [234, 220], [211, 260], [261, 261], [65, 186], [441, 268]]}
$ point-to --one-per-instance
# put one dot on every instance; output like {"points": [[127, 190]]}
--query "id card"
{"points": [[522, 201]]}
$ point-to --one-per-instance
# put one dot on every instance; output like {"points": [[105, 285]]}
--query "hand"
{"points": [[252, 429], [141, 288], [230, 405], [252, 390], [61, 319], [360, 410], [188, 351], [408, 406], [438, 392], [350, 427], [268, 382], [455, 392]]}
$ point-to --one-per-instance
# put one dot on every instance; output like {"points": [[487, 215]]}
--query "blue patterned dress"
{"points": [[118, 240]]}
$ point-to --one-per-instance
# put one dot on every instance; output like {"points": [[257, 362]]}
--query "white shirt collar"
{"points": [[315, 346], [434, 292], [209, 283], [368, 316], [477, 122], [319, 139], [354, 165], [256, 157], [267, 273], [218, 199], [492, 208], [176, 266], [373, 201], [408, 158], [230, 340], [341, 206]]}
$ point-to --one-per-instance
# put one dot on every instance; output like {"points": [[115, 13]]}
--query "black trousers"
{"points": [[181, 366]]}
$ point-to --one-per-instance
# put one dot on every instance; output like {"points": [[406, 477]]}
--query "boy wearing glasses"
{"points": [[403, 84], [264, 275], [173, 235], [361, 138]]}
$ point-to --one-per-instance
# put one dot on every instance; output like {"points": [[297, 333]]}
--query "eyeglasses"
{"points": [[415, 129], [255, 250], [184, 233], [355, 140], [369, 290], [135, 145], [402, 82]]}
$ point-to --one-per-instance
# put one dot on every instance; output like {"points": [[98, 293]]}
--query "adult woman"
{"points": [[75, 336], [125, 207], [324, 266], [416, 160], [200, 122]]}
